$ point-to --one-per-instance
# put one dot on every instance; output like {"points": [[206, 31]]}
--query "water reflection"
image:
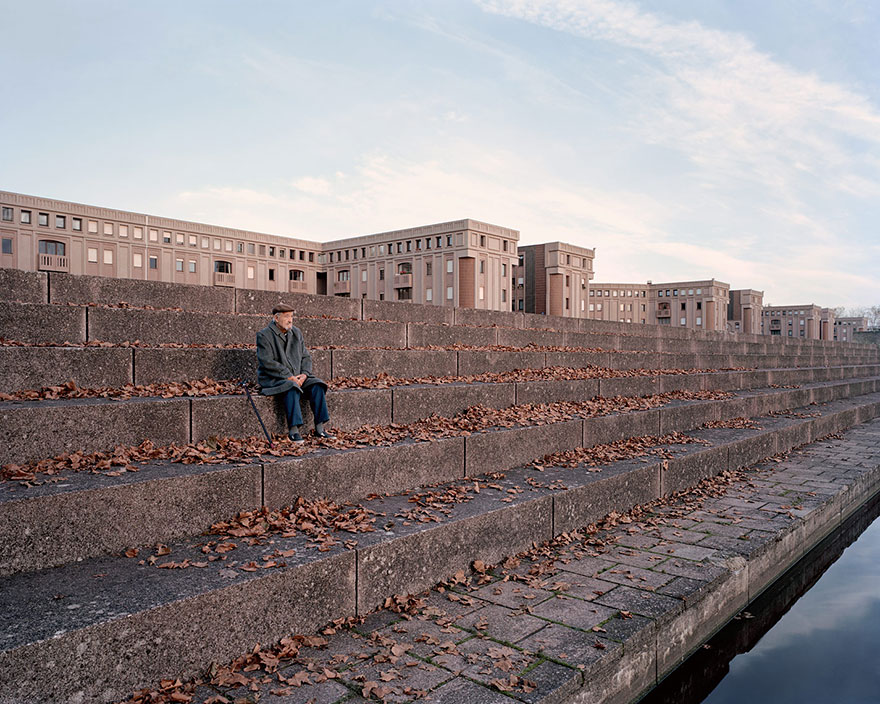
{"points": [[813, 637]]}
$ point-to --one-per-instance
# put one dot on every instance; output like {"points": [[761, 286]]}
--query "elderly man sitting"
{"points": [[284, 366]]}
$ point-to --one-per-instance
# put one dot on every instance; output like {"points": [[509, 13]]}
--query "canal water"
{"points": [[814, 636]]}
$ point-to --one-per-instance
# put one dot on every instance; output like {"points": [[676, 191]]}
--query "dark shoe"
{"points": [[294, 436], [324, 434]]}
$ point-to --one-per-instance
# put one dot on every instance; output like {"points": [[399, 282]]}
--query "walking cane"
{"points": [[259, 418]]}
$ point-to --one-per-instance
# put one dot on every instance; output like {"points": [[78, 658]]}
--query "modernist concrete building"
{"points": [[807, 321], [699, 305], [553, 279], [744, 311], [844, 328], [462, 263]]}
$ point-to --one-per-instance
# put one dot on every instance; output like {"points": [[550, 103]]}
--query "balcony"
{"points": [[341, 287], [403, 281], [297, 287], [53, 262], [224, 279], [664, 311]]}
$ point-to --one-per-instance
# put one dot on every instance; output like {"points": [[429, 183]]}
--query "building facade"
{"points": [[553, 279], [805, 321], [745, 311], [845, 328], [461, 263]]}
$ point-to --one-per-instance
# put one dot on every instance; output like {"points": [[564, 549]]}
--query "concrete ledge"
{"points": [[158, 326], [403, 364], [689, 470], [487, 318], [98, 517], [521, 338], [420, 335], [262, 303], [554, 322], [37, 322], [482, 362], [684, 415], [605, 429], [545, 391], [24, 286], [414, 402], [70, 288], [353, 474], [407, 312], [324, 332], [35, 367], [171, 364], [628, 386], [499, 450], [579, 360], [31, 432]]}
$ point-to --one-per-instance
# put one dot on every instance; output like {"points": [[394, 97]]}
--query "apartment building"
{"points": [[553, 279], [460, 263], [807, 321], [845, 327], [699, 305], [744, 311]]}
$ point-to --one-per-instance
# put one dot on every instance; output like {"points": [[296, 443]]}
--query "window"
{"points": [[251, 248], [123, 230], [271, 274], [76, 224], [178, 264], [675, 292], [239, 247], [504, 295], [381, 274], [222, 267], [373, 250], [52, 248], [108, 228], [154, 235], [166, 238], [439, 241], [216, 244], [449, 293], [193, 240], [429, 268], [154, 262], [7, 245], [342, 275], [7, 214], [428, 243], [592, 307], [206, 242], [690, 292], [482, 240], [271, 251], [699, 320], [137, 260], [138, 233], [399, 247], [60, 222], [482, 266], [622, 307], [227, 246], [108, 256], [699, 305], [404, 268], [250, 272], [683, 305], [482, 293], [429, 293], [364, 275], [504, 269], [92, 255], [667, 293], [699, 292], [598, 306], [409, 245], [43, 219], [448, 240], [192, 267], [683, 321], [449, 266], [25, 217]]}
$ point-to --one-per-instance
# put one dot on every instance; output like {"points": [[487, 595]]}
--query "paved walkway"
{"points": [[565, 616]]}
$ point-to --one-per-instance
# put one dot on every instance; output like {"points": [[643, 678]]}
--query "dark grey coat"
{"points": [[278, 359]]}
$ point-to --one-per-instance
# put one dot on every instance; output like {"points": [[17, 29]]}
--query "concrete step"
{"points": [[33, 430], [97, 629], [41, 323], [73, 515]]}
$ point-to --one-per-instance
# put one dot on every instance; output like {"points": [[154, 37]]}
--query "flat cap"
{"points": [[282, 308]]}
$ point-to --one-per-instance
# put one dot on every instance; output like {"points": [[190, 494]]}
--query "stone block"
{"points": [[159, 326], [687, 415], [619, 426], [403, 364], [628, 386], [511, 337], [347, 475], [755, 446], [38, 322], [262, 303], [550, 391], [590, 340], [38, 430], [36, 367], [550, 322], [578, 360], [70, 288], [403, 312], [415, 402], [419, 335], [23, 286], [616, 488], [635, 360], [757, 379], [417, 561], [631, 343], [790, 436], [499, 450], [667, 383], [166, 364], [324, 332], [98, 515], [204, 623], [741, 406], [487, 318], [688, 470], [470, 363]]}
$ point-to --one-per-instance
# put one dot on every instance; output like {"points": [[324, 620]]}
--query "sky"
{"points": [[682, 139]]}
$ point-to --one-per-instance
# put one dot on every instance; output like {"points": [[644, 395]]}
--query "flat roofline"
{"points": [[439, 228]]}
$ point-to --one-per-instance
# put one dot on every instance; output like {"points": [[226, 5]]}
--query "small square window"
{"points": [[76, 224], [251, 248], [228, 245], [108, 228], [178, 264], [178, 238], [123, 230], [60, 222], [154, 262], [138, 233], [449, 293], [250, 271], [43, 219], [108, 256], [7, 245], [193, 241], [26, 217], [206, 242], [138, 260], [449, 266], [192, 267], [7, 214], [92, 255], [154, 235]]}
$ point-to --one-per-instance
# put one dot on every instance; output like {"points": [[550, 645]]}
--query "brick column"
{"points": [[709, 322], [466, 282], [556, 294]]}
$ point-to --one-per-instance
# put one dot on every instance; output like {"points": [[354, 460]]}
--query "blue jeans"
{"points": [[317, 401]]}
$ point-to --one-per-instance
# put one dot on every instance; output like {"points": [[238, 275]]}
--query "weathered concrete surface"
{"points": [[548, 391], [70, 288], [262, 303], [618, 426], [422, 335], [414, 402], [499, 450], [482, 362], [403, 364], [407, 312], [23, 286], [35, 367], [488, 318], [164, 364], [158, 326], [38, 322], [35, 431], [91, 516], [324, 332]]}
